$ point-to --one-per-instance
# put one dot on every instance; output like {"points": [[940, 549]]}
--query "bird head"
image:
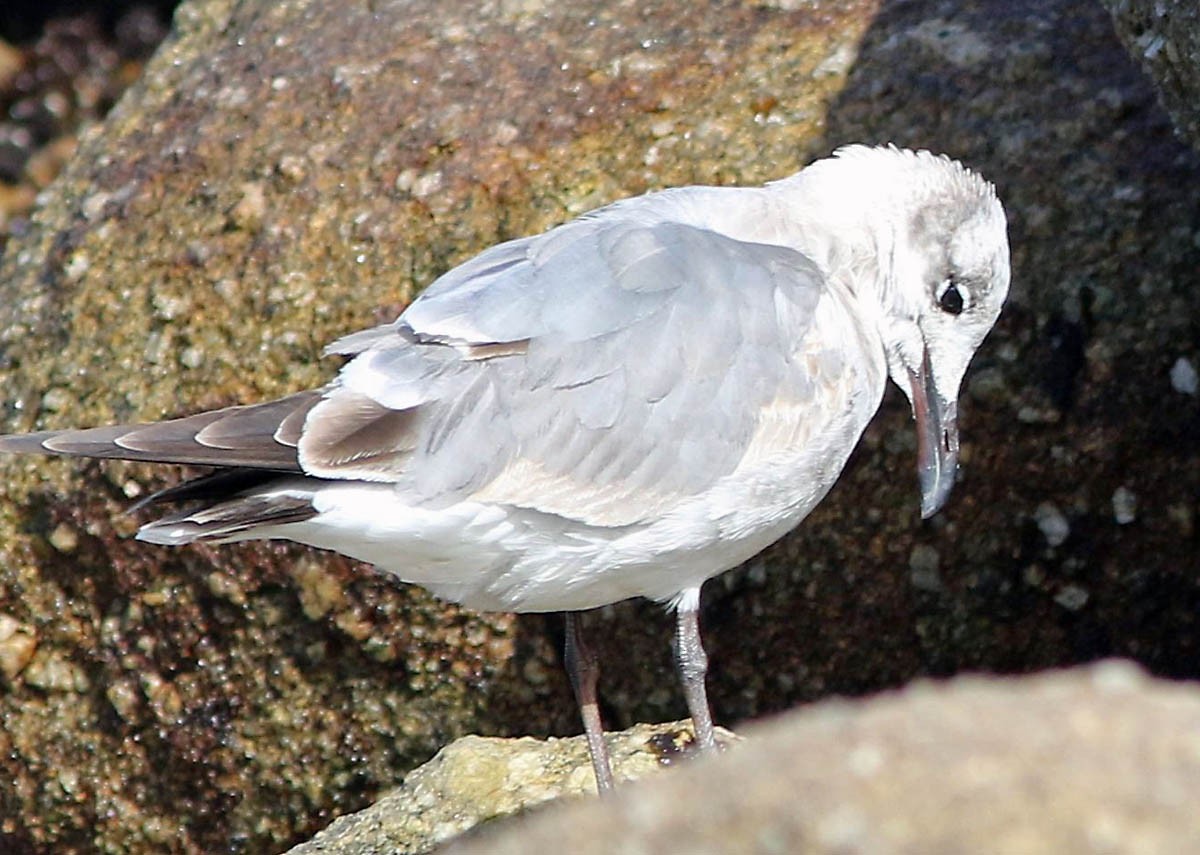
{"points": [[944, 275]]}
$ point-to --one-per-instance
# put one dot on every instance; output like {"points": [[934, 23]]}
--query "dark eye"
{"points": [[951, 300]]}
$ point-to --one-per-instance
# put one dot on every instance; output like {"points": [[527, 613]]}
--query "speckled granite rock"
{"points": [[475, 781], [1164, 36], [288, 171], [1101, 760]]}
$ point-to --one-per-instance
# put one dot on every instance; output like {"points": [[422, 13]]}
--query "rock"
{"points": [[1096, 759], [1052, 523], [233, 697], [1183, 377], [18, 643], [1072, 597], [1124, 505], [1164, 36], [47, 670], [284, 173], [476, 781]]}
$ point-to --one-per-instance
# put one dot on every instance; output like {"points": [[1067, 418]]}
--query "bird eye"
{"points": [[951, 300]]}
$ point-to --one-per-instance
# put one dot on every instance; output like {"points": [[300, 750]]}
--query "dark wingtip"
{"points": [[86, 442], [26, 443], [257, 436]]}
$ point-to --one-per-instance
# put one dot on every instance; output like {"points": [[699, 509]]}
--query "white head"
{"points": [[933, 244]]}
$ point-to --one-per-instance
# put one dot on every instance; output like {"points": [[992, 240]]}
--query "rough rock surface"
{"points": [[475, 781], [1164, 36], [288, 171], [1087, 761], [68, 74]]}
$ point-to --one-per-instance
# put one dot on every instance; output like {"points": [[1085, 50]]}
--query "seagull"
{"points": [[626, 405]]}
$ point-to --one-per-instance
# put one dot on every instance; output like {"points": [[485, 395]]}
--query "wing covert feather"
{"points": [[649, 351]]}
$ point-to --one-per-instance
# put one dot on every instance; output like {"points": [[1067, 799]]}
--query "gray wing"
{"points": [[603, 372]]}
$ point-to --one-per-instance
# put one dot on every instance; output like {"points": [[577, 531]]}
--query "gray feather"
{"points": [[613, 316]]}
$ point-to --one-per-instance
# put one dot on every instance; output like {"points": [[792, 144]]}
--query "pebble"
{"points": [[1124, 504], [1072, 598], [18, 642], [56, 399], [1052, 523], [247, 215], [1183, 377], [54, 673], [427, 184], [124, 697], [292, 167], [192, 357], [64, 538]]}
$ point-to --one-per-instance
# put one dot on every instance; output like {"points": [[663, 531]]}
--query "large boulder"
{"points": [[1065, 764], [289, 171], [282, 174]]}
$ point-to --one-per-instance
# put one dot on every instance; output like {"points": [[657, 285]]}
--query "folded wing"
{"points": [[602, 372]]}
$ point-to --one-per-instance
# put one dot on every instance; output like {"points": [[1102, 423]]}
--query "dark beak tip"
{"points": [[937, 440], [937, 483], [929, 507]]}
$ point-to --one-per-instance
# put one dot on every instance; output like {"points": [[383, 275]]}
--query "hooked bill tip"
{"points": [[937, 482]]}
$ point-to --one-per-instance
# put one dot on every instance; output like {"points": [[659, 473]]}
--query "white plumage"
{"points": [[626, 405]]}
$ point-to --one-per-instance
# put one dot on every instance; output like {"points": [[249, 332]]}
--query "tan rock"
{"points": [[477, 780], [1093, 760], [18, 643]]}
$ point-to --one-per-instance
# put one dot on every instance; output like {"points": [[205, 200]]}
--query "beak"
{"points": [[937, 440]]}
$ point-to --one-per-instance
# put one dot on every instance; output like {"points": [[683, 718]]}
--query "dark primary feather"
{"points": [[227, 519], [215, 487], [259, 436]]}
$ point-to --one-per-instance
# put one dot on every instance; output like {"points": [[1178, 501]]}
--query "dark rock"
{"points": [[1164, 36]]}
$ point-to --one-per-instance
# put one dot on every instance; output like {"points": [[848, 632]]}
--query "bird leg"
{"points": [[692, 662], [584, 671]]}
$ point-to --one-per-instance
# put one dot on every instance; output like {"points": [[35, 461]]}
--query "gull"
{"points": [[623, 406]]}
